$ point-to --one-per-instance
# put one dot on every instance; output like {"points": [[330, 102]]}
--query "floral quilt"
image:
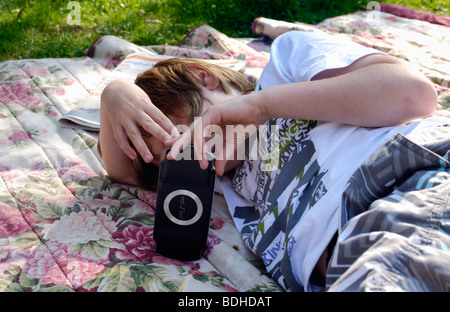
{"points": [[65, 226]]}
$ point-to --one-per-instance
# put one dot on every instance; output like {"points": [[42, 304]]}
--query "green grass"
{"points": [[438, 7], [43, 28]]}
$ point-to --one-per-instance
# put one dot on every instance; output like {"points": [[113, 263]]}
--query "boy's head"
{"points": [[176, 87]]}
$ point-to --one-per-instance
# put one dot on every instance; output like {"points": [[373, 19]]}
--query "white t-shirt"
{"points": [[289, 215]]}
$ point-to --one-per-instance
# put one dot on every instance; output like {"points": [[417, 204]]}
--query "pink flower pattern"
{"points": [[12, 222], [138, 242], [18, 93], [60, 267], [34, 70]]}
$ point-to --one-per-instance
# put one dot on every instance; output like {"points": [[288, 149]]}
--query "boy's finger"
{"points": [[126, 148], [200, 147], [134, 135], [159, 125], [219, 166], [179, 145], [155, 128]]}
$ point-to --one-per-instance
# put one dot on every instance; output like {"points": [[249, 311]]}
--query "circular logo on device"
{"points": [[178, 207]]}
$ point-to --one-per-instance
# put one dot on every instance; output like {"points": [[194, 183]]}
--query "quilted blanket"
{"points": [[65, 226]]}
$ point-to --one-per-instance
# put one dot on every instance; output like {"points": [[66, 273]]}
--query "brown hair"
{"points": [[145, 174], [175, 88]]}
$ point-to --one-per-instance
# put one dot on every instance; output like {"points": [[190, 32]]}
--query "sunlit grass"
{"points": [[438, 7], [46, 28]]}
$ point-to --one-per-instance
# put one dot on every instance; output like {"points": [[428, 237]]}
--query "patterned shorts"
{"points": [[395, 218]]}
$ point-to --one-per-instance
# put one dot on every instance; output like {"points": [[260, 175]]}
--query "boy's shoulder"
{"points": [[301, 37]]}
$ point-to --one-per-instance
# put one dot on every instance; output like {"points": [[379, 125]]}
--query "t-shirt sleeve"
{"points": [[298, 56]]}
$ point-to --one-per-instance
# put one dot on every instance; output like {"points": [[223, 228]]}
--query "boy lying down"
{"points": [[337, 106]]}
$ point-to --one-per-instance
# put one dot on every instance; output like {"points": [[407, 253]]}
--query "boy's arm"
{"points": [[116, 162], [374, 91]]}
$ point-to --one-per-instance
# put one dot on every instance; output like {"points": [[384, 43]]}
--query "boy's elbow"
{"points": [[428, 98], [421, 100], [120, 177]]}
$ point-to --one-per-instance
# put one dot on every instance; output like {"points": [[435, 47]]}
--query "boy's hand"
{"points": [[128, 108], [240, 115]]}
